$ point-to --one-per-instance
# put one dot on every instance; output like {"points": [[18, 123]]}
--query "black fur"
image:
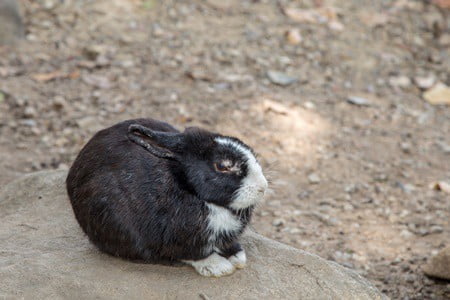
{"points": [[139, 191]]}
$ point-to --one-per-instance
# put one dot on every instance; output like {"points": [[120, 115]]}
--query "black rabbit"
{"points": [[142, 190]]}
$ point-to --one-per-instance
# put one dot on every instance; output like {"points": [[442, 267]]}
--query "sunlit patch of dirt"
{"points": [[377, 240], [278, 131]]}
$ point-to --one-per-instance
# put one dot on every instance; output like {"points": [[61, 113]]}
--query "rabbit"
{"points": [[142, 190]]}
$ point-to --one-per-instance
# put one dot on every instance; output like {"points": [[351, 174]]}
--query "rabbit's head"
{"points": [[217, 169]]}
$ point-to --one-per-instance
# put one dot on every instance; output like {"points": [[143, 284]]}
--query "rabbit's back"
{"points": [[117, 191]]}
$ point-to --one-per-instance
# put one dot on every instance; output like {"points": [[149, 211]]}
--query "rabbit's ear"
{"points": [[159, 143]]}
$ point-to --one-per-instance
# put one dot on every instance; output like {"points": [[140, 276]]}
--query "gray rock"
{"points": [[406, 147], [359, 101], [425, 83], [11, 26], [444, 147], [278, 222], [436, 229], [44, 254], [313, 178], [30, 112], [439, 265], [280, 78], [400, 81]]}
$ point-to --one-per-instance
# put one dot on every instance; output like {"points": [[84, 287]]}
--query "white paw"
{"points": [[239, 260], [213, 266]]}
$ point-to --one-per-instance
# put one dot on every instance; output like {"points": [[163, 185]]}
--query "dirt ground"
{"points": [[350, 146]]}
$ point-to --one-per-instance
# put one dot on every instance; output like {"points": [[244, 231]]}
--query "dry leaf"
{"points": [[442, 186], [184, 119], [269, 105], [442, 3], [321, 15], [74, 74], [328, 12], [301, 15], [45, 77], [293, 36], [439, 94]]}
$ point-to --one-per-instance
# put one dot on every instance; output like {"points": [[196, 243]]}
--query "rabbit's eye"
{"points": [[224, 166]]}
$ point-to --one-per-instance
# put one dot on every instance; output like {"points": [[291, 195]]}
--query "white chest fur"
{"points": [[221, 220]]}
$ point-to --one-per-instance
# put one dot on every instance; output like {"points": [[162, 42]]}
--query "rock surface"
{"points": [[439, 265], [44, 254], [11, 26]]}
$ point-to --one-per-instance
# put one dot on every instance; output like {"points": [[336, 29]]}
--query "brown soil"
{"points": [[349, 182]]}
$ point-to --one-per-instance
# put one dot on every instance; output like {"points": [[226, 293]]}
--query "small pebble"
{"points": [[406, 147], [359, 101], [313, 178], [29, 112], [406, 234], [399, 81], [309, 105], [436, 229], [280, 78], [425, 83], [278, 222], [293, 36]]}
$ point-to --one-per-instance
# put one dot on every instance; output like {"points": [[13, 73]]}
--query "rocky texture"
{"points": [[45, 255], [11, 26], [439, 265]]}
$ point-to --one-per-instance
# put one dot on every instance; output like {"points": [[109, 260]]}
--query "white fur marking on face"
{"points": [[239, 260], [221, 220], [254, 184], [212, 266]]}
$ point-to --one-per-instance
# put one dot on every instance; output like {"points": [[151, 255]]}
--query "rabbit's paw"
{"points": [[239, 260], [213, 266]]}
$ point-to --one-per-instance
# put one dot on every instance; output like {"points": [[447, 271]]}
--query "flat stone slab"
{"points": [[45, 255]]}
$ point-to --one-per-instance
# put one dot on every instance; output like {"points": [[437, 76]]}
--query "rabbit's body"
{"points": [[142, 190]]}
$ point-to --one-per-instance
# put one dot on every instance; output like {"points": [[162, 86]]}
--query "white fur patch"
{"points": [[239, 260], [221, 220], [254, 184], [212, 266]]}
